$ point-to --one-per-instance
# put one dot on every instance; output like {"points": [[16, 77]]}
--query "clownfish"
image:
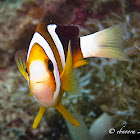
{"points": [[54, 52]]}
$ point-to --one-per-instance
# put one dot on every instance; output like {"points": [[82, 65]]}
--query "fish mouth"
{"points": [[39, 82]]}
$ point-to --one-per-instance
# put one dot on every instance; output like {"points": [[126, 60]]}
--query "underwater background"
{"points": [[109, 95]]}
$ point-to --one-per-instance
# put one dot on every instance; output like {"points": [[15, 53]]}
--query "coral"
{"points": [[135, 5]]}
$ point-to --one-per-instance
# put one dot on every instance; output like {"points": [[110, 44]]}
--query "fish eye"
{"points": [[50, 65]]}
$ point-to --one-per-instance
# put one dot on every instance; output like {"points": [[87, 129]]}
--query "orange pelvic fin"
{"points": [[30, 94]]}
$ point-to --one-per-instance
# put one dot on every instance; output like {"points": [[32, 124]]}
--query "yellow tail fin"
{"points": [[38, 117], [66, 114]]}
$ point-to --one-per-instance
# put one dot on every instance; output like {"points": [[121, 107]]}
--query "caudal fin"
{"points": [[105, 43]]}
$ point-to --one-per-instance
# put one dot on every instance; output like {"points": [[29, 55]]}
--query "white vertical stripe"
{"points": [[89, 45], [37, 38], [51, 28]]}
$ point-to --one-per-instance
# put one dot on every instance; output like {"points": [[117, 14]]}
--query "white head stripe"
{"points": [[37, 38], [51, 28]]}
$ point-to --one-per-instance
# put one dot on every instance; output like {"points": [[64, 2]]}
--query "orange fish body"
{"points": [[53, 53]]}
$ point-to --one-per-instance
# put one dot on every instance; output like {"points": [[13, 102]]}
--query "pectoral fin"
{"points": [[20, 59], [66, 114], [38, 117], [67, 77]]}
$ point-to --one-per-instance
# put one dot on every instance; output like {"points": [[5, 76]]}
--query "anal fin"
{"points": [[66, 114], [80, 63]]}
